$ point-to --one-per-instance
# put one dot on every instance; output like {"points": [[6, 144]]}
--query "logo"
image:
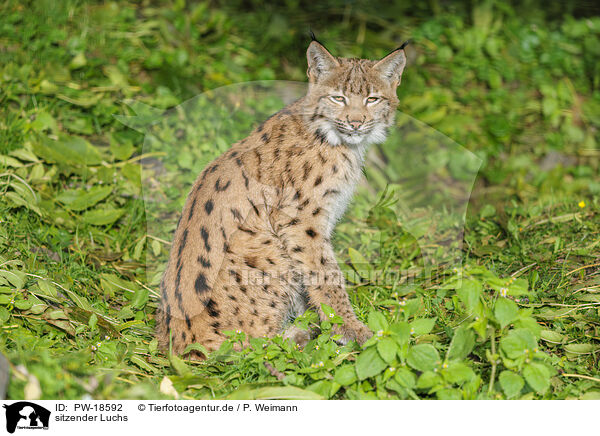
{"points": [[26, 415]]}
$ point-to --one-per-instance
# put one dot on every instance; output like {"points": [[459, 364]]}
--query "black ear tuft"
{"points": [[313, 37], [408, 41]]}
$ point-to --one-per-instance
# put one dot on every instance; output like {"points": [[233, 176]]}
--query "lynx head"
{"points": [[352, 101]]}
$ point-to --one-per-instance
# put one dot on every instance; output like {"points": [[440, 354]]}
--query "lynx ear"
{"points": [[392, 66], [320, 61]]}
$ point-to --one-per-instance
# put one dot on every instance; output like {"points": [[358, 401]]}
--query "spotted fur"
{"points": [[255, 230]]}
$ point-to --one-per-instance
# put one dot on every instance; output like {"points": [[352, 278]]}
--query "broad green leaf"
{"points": [[80, 301], [70, 150], [462, 343], [387, 348], [458, 372], [15, 278], [23, 304], [47, 288], [517, 342], [406, 377], [250, 392], [511, 383], [102, 217], [196, 347], [448, 394], [506, 311], [537, 376], [179, 365], [552, 336], [140, 298], [327, 310], [423, 357], [324, 388], [360, 264], [469, 293], [377, 321], [19, 200], [422, 326], [4, 315], [38, 306], [7, 161], [400, 332], [518, 287], [81, 199], [579, 349], [428, 380], [369, 364], [140, 362], [345, 375]]}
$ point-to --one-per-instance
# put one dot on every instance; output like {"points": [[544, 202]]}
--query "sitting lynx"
{"points": [[267, 208]]}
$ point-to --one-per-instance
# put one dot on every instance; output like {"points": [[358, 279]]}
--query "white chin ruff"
{"points": [[376, 136]]}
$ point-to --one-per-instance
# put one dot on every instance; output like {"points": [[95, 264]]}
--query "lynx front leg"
{"points": [[324, 283], [330, 290]]}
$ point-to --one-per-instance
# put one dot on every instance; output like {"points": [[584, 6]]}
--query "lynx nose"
{"points": [[355, 124]]}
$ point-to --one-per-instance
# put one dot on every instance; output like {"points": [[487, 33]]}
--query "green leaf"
{"points": [[360, 264], [140, 362], [23, 304], [579, 349], [428, 380], [517, 342], [324, 388], [140, 298], [518, 287], [511, 383], [327, 310], [70, 150], [103, 216], [400, 332], [506, 311], [458, 372], [377, 322], [369, 364], [469, 293], [4, 315], [93, 321], [345, 375], [552, 336], [47, 288], [422, 326], [80, 301], [196, 347], [15, 278], [462, 343], [423, 357], [179, 365], [81, 199], [537, 376], [406, 377], [251, 392], [387, 349]]}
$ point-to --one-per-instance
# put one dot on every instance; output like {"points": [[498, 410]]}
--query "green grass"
{"points": [[81, 253]]}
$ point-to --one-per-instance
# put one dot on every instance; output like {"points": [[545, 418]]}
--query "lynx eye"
{"points": [[372, 99], [338, 98]]}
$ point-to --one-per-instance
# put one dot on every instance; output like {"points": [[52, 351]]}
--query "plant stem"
{"points": [[493, 375]]}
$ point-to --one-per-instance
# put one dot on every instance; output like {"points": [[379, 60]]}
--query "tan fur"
{"points": [[252, 249]]}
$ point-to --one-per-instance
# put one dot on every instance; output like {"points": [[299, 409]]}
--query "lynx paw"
{"points": [[353, 331], [297, 335]]}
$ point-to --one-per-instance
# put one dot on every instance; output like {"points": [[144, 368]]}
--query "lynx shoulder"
{"points": [[252, 249]]}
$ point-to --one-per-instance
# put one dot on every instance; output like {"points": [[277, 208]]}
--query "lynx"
{"points": [[267, 208]]}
